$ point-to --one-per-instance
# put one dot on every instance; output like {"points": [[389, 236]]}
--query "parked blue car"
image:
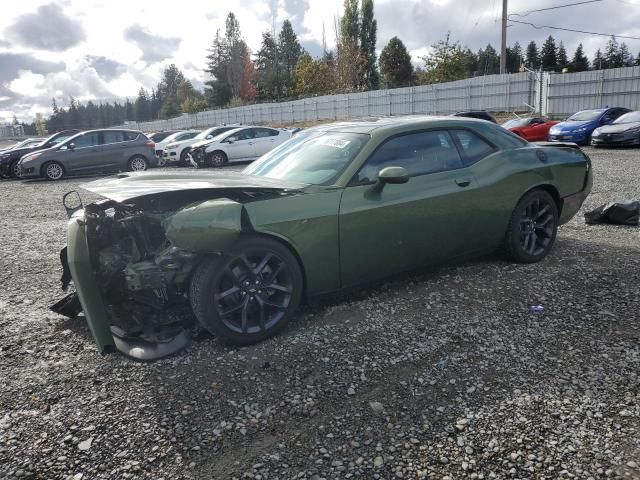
{"points": [[579, 126]]}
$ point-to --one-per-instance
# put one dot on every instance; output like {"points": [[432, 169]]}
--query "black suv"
{"points": [[9, 160]]}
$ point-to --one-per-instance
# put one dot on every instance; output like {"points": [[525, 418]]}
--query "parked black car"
{"points": [[624, 130], [9, 160], [480, 114]]}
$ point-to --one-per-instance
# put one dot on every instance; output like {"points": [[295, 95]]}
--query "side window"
{"points": [[88, 140], [618, 112], [474, 147], [112, 137], [420, 153], [245, 134], [264, 132]]}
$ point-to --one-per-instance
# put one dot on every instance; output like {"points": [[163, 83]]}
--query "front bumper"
{"points": [[28, 171], [615, 139], [198, 157], [579, 138]]}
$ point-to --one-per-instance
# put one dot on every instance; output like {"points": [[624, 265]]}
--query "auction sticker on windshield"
{"points": [[334, 142]]}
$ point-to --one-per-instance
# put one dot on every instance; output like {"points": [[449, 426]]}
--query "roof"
{"points": [[375, 124]]}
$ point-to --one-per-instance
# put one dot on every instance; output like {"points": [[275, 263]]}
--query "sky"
{"points": [[105, 50]]}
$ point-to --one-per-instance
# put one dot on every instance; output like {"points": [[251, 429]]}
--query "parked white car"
{"points": [[177, 151], [173, 138], [239, 144]]}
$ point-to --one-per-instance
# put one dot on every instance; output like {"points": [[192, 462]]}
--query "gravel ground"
{"points": [[443, 374]]}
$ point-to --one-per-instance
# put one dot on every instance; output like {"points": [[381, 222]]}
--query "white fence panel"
{"points": [[558, 95]]}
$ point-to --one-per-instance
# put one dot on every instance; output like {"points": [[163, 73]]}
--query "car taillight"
{"points": [[150, 143]]}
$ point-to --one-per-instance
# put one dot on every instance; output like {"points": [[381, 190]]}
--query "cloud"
{"points": [[5, 44], [12, 63], [107, 68], [47, 29], [296, 11], [154, 47]]}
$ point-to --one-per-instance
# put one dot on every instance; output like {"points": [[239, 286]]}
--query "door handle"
{"points": [[463, 182]]}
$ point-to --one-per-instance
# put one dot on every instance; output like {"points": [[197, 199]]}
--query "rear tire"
{"points": [[249, 293], [138, 164], [532, 228], [52, 171]]}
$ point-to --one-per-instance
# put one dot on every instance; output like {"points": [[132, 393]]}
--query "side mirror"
{"points": [[393, 175], [208, 137], [230, 140], [72, 146]]}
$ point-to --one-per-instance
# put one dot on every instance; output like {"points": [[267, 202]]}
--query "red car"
{"points": [[532, 129]]}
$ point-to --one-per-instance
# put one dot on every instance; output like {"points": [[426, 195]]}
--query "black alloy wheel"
{"points": [[533, 227], [249, 294]]}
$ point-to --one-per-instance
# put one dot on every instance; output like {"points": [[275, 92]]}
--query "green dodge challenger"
{"points": [[336, 206]]}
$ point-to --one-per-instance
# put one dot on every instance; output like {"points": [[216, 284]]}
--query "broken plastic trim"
{"points": [[144, 351]]}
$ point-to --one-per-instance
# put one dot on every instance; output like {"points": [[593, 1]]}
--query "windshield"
{"points": [[516, 122], [586, 115], [311, 157], [630, 117]]}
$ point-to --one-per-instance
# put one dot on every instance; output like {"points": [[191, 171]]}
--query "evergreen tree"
{"points": [[514, 58], [612, 57], [226, 64], [313, 77], [532, 57], [580, 62], [289, 50], [488, 61], [395, 64], [549, 54], [563, 61], [599, 61], [626, 59], [267, 74], [368, 35], [142, 106]]}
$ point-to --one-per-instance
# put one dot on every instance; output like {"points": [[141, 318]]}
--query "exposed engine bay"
{"points": [[141, 275]]}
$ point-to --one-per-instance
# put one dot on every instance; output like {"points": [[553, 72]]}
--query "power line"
{"points": [[572, 30], [552, 8]]}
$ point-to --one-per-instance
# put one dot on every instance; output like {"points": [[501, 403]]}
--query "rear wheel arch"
{"points": [[551, 190]]}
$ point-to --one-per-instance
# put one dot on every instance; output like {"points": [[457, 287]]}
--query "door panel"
{"points": [[242, 147], [393, 228], [86, 154], [404, 226], [113, 150]]}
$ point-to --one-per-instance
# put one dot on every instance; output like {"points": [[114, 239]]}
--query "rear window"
{"points": [[474, 147], [128, 136]]}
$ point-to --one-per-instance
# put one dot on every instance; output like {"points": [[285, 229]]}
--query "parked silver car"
{"points": [[239, 144], [92, 151]]}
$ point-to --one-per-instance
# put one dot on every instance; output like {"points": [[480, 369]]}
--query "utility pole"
{"points": [[503, 49]]}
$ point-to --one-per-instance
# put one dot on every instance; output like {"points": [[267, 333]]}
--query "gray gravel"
{"points": [[444, 374]]}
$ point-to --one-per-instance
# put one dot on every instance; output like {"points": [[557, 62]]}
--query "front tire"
{"points": [[13, 170], [183, 161], [532, 228], [52, 171], [217, 159], [138, 164], [249, 293]]}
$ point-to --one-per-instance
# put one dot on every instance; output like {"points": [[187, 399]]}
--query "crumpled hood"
{"points": [[572, 125], [619, 127], [127, 186], [201, 143]]}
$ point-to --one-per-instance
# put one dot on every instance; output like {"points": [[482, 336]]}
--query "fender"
{"points": [[206, 227]]}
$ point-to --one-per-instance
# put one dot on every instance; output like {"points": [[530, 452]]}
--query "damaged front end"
{"points": [[131, 280]]}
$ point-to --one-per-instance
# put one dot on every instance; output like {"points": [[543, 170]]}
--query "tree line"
{"points": [[282, 69]]}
